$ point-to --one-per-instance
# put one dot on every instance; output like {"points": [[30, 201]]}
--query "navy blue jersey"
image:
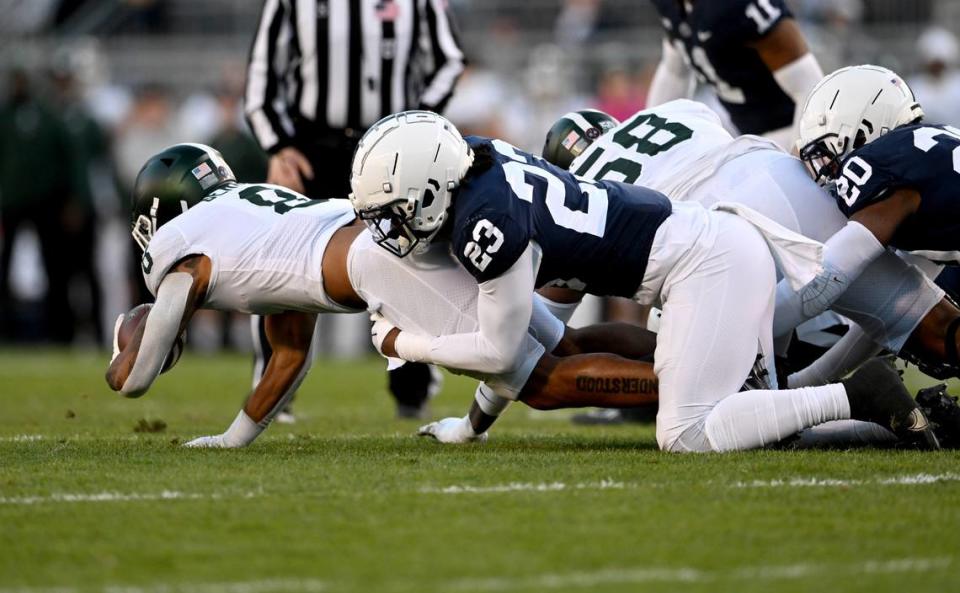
{"points": [[715, 35], [594, 237], [923, 157]]}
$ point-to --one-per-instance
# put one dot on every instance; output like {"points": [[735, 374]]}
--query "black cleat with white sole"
{"points": [[944, 413], [877, 394]]}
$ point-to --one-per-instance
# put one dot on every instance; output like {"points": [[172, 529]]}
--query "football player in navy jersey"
{"points": [[751, 52], [893, 176], [516, 223]]}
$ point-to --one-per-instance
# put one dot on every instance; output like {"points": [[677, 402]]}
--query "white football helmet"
{"points": [[849, 108], [403, 173]]}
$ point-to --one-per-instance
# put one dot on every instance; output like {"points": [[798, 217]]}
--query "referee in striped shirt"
{"points": [[320, 73]]}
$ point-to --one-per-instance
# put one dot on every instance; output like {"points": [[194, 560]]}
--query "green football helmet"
{"points": [[172, 181], [573, 133]]}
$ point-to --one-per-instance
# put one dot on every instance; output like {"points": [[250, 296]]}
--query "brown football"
{"points": [[128, 327]]}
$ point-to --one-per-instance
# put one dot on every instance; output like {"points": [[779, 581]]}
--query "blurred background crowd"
{"points": [[89, 89]]}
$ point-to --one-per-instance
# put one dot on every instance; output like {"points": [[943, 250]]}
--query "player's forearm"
{"points": [[504, 309], [845, 256], [797, 79], [466, 352], [672, 78], [265, 81], [442, 40], [160, 330]]}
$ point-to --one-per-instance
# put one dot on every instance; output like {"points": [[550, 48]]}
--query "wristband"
{"points": [[489, 402], [412, 347]]}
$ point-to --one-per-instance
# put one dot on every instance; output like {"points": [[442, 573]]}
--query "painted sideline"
{"points": [[262, 586], [120, 497], [797, 482], [545, 581], [637, 576]]}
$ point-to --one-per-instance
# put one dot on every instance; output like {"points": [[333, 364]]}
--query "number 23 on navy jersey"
{"points": [[593, 236]]}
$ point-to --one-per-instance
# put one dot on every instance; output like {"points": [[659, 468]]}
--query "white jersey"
{"points": [[265, 244], [432, 294], [670, 148], [680, 149]]}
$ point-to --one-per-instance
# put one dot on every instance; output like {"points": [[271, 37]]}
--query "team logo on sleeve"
{"points": [[487, 240], [146, 262]]}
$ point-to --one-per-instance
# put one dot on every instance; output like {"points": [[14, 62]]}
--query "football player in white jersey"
{"points": [[209, 242], [681, 149]]}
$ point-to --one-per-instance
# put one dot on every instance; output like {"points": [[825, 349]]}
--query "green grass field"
{"points": [[348, 500]]}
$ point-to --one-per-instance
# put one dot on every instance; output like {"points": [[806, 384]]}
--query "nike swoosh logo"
{"points": [[918, 421]]}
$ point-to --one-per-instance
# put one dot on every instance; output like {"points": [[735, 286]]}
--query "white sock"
{"points": [[752, 419]]}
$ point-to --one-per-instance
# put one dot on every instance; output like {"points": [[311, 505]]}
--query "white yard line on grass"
{"points": [[638, 576], [907, 480], [263, 586], [527, 487], [118, 497], [608, 484], [547, 581]]}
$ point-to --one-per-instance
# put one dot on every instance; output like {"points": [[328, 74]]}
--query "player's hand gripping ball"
{"points": [[126, 327]]}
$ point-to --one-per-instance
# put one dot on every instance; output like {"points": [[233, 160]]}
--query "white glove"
{"points": [[452, 430], [116, 333], [210, 442], [378, 333]]}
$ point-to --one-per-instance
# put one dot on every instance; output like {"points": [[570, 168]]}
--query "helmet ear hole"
{"points": [[428, 198], [859, 140]]}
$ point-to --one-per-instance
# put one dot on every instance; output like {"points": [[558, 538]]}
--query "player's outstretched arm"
{"points": [[673, 79], [179, 295], [846, 255], [784, 51], [504, 307], [290, 334]]}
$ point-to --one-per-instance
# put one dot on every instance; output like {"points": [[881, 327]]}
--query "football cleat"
{"points": [[944, 413], [877, 394]]}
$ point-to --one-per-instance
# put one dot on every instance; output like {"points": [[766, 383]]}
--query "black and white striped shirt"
{"points": [[343, 64]]}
